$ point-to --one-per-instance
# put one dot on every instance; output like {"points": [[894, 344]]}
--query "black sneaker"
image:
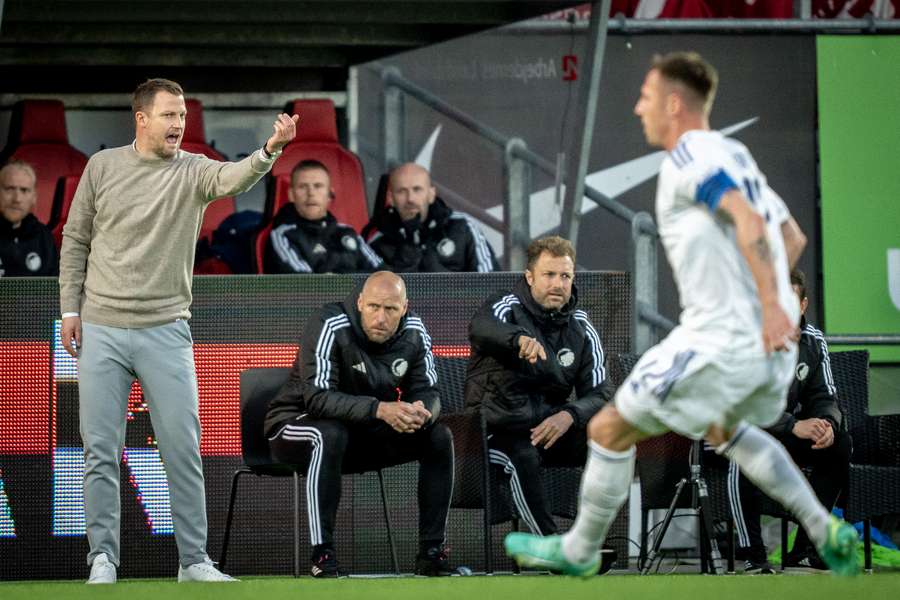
{"points": [[758, 568], [435, 562], [808, 560], [325, 565]]}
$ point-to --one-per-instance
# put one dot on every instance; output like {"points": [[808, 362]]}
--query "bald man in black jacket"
{"points": [[362, 395]]}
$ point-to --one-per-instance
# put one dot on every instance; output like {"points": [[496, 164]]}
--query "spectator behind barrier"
{"points": [[531, 348], [363, 395], [418, 232], [26, 245], [305, 236]]}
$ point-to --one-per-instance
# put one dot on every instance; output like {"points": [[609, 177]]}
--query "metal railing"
{"points": [[620, 24], [863, 339], [518, 164], [519, 161]]}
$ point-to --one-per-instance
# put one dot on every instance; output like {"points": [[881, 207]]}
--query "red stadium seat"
{"points": [[62, 201], [194, 141], [259, 246], [317, 139], [37, 135]]}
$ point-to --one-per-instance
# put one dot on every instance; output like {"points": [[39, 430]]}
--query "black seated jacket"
{"points": [[516, 395], [448, 240], [28, 250], [340, 374], [298, 245], [812, 393]]}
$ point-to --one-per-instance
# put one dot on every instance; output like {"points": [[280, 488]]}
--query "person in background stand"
{"points": [[306, 238], [27, 248]]}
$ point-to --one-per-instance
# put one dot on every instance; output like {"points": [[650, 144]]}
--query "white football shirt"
{"points": [[717, 291]]}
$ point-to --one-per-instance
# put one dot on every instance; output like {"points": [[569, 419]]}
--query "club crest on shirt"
{"points": [[565, 357], [349, 243], [802, 371], [33, 261], [399, 366], [446, 247]]}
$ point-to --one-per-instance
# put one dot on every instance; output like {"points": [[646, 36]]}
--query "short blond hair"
{"points": [[693, 73], [21, 165]]}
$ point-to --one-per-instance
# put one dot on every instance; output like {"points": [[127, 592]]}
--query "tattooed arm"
{"points": [[794, 241], [750, 229]]}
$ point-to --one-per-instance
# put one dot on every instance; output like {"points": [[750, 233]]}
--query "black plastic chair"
{"points": [[472, 485], [873, 486], [258, 386], [478, 483]]}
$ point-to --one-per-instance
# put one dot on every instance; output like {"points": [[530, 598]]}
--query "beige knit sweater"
{"points": [[128, 244]]}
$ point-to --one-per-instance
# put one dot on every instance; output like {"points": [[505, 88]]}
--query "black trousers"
{"points": [[828, 467], [522, 463], [326, 448]]}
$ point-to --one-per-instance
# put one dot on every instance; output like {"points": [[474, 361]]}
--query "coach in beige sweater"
{"points": [[125, 294]]}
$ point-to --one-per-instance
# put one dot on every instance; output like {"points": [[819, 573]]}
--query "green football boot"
{"points": [[546, 553], [839, 549]]}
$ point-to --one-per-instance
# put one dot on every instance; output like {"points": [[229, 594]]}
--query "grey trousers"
{"points": [[162, 359]]}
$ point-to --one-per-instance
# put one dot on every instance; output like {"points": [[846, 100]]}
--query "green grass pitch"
{"points": [[615, 587]]}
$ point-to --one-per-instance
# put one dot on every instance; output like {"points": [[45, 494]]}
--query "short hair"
{"points": [[22, 166], [690, 70], [145, 93], [798, 278], [408, 166], [554, 245], [309, 164]]}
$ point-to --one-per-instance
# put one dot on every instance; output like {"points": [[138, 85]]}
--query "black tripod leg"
{"points": [[657, 540], [713, 557]]}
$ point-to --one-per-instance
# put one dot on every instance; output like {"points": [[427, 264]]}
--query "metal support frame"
{"points": [[586, 112], [644, 289], [393, 121], [516, 204]]}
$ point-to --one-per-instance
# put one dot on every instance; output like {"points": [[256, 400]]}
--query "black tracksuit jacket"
{"points": [[812, 393], [298, 245], [448, 240], [340, 374], [28, 250], [516, 395]]}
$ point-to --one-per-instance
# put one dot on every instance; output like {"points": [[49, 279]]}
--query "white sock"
{"points": [[604, 488], [767, 464]]}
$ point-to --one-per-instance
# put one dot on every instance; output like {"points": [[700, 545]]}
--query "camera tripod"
{"points": [[709, 549]]}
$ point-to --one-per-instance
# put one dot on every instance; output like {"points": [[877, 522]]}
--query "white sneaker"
{"points": [[102, 571], [203, 571]]}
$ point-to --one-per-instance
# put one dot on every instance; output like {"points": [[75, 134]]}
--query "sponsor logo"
{"points": [[893, 275], [446, 247], [361, 367], [319, 249], [523, 72], [399, 366], [570, 67], [33, 261], [565, 357]]}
